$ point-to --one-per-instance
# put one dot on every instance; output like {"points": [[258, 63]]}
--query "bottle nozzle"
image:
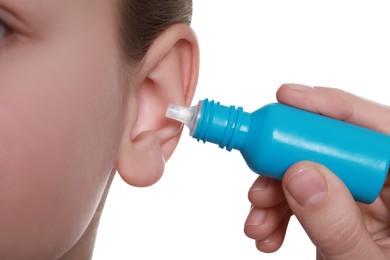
{"points": [[179, 113], [186, 115]]}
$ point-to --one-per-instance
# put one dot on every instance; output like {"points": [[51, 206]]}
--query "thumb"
{"points": [[326, 210]]}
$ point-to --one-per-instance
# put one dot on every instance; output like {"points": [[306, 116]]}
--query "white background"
{"points": [[248, 48]]}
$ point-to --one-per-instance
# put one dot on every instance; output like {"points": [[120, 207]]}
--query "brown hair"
{"points": [[141, 21]]}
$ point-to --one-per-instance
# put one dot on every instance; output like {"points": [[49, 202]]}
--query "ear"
{"points": [[168, 74]]}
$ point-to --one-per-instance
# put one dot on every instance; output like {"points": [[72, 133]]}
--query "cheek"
{"points": [[59, 124]]}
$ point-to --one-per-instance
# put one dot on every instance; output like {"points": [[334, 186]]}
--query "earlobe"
{"points": [[142, 163], [168, 75]]}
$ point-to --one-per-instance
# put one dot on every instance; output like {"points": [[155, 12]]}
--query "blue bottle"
{"points": [[276, 136]]}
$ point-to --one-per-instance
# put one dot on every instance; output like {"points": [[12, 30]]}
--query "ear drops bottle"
{"points": [[276, 136]]}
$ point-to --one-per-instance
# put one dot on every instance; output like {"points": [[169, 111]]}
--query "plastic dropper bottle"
{"points": [[276, 136]]}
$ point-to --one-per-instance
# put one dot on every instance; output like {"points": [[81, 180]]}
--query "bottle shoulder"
{"points": [[270, 112]]}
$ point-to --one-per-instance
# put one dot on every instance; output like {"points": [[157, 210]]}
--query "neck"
{"points": [[83, 249], [222, 125]]}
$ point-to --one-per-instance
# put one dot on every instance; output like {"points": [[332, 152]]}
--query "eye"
{"points": [[3, 30]]}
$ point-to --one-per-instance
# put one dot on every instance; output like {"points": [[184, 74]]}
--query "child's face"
{"points": [[60, 113]]}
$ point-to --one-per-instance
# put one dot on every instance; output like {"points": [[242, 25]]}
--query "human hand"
{"points": [[339, 227]]}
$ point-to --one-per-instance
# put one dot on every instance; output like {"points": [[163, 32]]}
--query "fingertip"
{"points": [[325, 197], [261, 223], [296, 87], [260, 183], [266, 193], [269, 245], [330, 102], [273, 242], [289, 92], [306, 175], [281, 92]]}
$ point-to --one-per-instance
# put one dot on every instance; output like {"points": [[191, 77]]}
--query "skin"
{"points": [[347, 230], [73, 112]]}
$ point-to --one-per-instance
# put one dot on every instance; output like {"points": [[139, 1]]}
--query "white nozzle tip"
{"points": [[186, 115], [178, 113]]}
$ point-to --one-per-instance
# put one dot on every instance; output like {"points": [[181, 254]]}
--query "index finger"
{"points": [[338, 104]]}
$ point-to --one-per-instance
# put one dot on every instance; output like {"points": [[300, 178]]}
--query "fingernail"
{"points": [[298, 87], [307, 186], [260, 184], [256, 217], [266, 241]]}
